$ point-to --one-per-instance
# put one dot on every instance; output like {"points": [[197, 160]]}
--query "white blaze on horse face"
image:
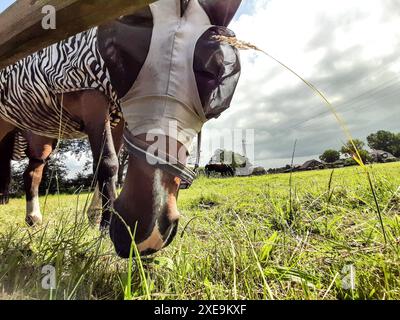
{"points": [[160, 193], [160, 196], [33, 213]]}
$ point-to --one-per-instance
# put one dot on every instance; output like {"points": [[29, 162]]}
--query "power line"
{"points": [[351, 102], [367, 105]]}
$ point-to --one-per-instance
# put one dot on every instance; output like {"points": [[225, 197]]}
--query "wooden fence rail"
{"points": [[21, 31]]}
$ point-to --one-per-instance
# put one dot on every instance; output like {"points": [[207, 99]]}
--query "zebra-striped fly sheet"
{"points": [[31, 90]]}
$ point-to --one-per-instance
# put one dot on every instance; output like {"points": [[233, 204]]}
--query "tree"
{"points": [[386, 141], [77, 147], [352, 148], [54, 176], [330, 156], [349, 149], [396, 146], [81, 147], [17, 181]]}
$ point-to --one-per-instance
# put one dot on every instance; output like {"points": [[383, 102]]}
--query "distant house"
{"points": [[337, 164], [249, 170], [311, 165], [275, 170], [288, 168], [382, 156]]}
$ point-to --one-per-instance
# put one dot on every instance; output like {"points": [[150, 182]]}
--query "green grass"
{"points": [[239, 238]]}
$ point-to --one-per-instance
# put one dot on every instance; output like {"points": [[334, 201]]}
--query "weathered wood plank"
{"points": [[21, 31]]}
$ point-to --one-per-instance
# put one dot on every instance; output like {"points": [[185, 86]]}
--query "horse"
{"points": [[149, 80], [222, 168]]}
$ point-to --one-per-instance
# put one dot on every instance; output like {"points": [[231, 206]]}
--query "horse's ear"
{"points": [[220, 12]]}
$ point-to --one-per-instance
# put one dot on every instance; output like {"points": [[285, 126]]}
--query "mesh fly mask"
{"points": [[187, 78]]}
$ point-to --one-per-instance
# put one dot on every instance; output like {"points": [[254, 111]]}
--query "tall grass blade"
{"points": [[291, 217]]}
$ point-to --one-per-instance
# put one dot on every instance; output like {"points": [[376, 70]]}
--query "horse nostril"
{"points": [[171, 233], [120, 238], [150, 238]]}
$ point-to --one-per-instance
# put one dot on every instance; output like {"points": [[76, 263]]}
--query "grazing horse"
{"points": [[222, 168], [154, 78]]}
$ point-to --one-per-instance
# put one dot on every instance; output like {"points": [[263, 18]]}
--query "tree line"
{"points": [[381, 140]]}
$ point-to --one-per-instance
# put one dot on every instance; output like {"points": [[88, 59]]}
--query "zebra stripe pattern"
{"points": [[34, 85]]}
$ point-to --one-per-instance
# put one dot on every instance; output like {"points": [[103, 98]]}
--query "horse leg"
{"points": [[6, 153], [39, 149], [5, 128], [95, 116], [5, 169], [117, 134], [96, 208]]}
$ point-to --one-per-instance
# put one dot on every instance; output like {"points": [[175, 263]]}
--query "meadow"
{"points": [[313, 236]]}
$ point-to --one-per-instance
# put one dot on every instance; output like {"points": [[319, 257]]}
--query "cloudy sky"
{"points": [[4, 4], [349, 49]]}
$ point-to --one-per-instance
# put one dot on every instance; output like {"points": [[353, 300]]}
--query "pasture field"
{"points": [[239, 238]]}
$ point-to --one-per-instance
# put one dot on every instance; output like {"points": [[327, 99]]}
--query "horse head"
{"points": [[187, 78]]}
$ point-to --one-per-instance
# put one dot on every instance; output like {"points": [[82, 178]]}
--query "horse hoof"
{"points": [[104, 227], [4, 199], [105, 221], [34, 220], [94, 216]]}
